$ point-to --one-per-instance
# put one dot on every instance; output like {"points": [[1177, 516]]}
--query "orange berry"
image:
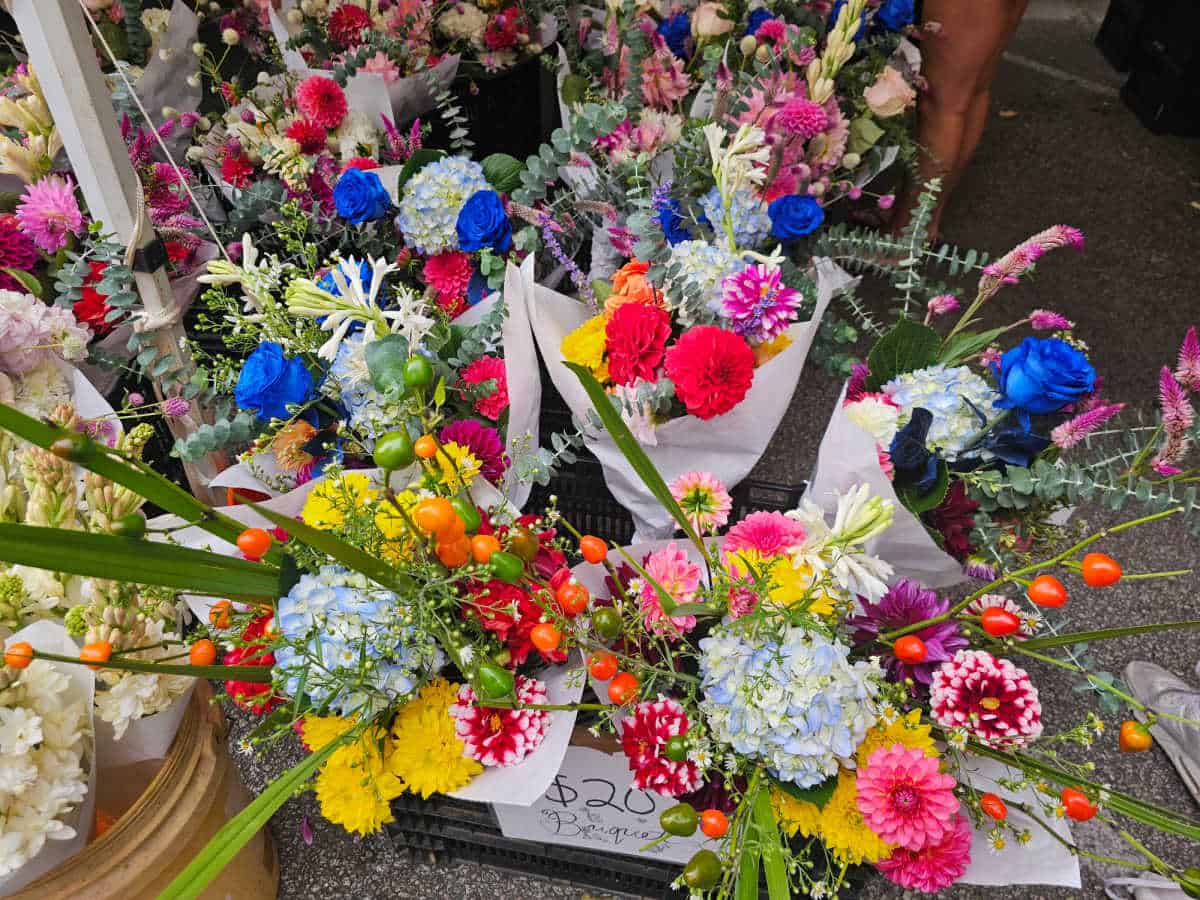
{"points": [[218, 614], [434, 515], [96, 652], [202, 653], [545, 637], [1076, 805], [572, 598], [593, 549], [454, 553], [1100, 570], [425, 447], [714, 823], [623, 688], [1046, 590], [18, 655], [603, 666], [910, 649], [254, 543], [994, 807], [455, 529], [1134, 737], [482, 548]]}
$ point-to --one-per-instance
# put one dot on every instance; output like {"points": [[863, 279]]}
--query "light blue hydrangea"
{"points": [[949, 395], [432, 200], [369, 413], [346, 640], [701, 268], [798, 705], [751, 223]]}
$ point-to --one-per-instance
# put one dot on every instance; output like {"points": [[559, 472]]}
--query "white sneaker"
{"points": [[1163, 692]]}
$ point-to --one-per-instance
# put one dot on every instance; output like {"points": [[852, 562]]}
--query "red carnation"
{"points": [[252, 696], [712, 370], [346, 24], [92, 309], [644, 736], [509, 613], [953, 519], [636, 336], [309, 135]]}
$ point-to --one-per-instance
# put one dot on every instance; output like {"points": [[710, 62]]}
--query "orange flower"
{"points": [[288, 446], [630, 285]]}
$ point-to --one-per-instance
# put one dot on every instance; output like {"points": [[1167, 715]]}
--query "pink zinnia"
{"points": [[933, 868], [703, 499], [448, 273], [488, 368], [1188, 371], [1074, 430], [991, 698], [1048, 320], [644, 735], [672, 571], [768, 533], [905, 799], [48, 212], [501, 737], [758, 304], [321, 100]]}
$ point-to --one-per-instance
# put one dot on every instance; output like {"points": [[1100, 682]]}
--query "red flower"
{"points": [[252, 696], [712, 370], [309, 135], [644, 735], [488, 368], [636, 335], [501, 737], [953, 519], [322, 100], [505, 29], [362, 163], [236, 169], [346, 24], [91, 310], [511, 614]]}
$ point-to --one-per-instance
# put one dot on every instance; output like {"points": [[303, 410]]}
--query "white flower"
{"points": [[357, 129], [20, 729], [259, 281], [875, 416], [463, 22]]}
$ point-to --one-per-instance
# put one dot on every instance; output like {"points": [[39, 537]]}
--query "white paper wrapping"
{"points": [[1042, 861], [847, 457], [146, 738], [728, 445], [51, 637], [164, 81]]}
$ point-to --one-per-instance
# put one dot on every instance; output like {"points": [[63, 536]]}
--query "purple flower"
{"points": [[1188, 371], [1048, 320], [905, 604], [175, 407], [484, 443]]}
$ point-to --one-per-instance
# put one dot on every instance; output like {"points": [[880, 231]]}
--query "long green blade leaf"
{"points": [[348, 555], [238, 831], [140, 562], [772, 853], [749, 858], [633, 451], [256, 674], [1102, 634], [143, 481]]}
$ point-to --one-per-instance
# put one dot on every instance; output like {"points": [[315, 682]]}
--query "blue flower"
{"points": [[675, 31], [1042, 375], [672, 222], [837, 11], [482, 222], [326, 282], [914, 462], [895, 14], [756, 18], [477, 288], [361, 197], [794, 216], [748, 214], [269, 382]]}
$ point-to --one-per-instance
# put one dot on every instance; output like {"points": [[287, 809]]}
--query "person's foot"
{"points": [[1163, 692]]}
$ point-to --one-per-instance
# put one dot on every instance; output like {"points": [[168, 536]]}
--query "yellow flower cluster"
{"points": [[426, 754], [354, 787], [790, 583], [327, 503], [586, 345], [459, 466]]}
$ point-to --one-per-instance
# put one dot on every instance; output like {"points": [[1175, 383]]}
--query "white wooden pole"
{"points": [[64, 60]]}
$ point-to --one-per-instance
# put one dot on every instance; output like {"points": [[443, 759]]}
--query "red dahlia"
{"points": [[346, 24], [644, 736], [92, 309], [309, 135], [511, 614], [252, 696], [711, 368], [636, 336]]}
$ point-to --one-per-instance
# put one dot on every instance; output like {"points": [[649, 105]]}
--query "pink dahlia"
{"points": [[501, 737], [703, 499], [680, 578], [991, 698], [448, 273], [768, 533], [932, 868], [16, 252], [309, 135], [644, 735], [48, 212], [905, 799], [758, 304], [484, 369], [484, 443], [321, 100]]}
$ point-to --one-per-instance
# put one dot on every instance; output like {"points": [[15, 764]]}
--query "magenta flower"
{"points": [[484, 443], [758, 304], [1176, 410], [994, 700], [942, 304], [905, 799], [175, 407], [856, 384], [1048, 320], [886, 201], [1074, 430], [803, 117], [768, 533], [1188, 371], [49, 212], [904, 604], [935, 867]]}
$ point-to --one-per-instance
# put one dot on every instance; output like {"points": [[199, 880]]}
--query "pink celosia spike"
{"points": [[1188, 371], [1176, 410], [1048, 320], [1074, 430]]}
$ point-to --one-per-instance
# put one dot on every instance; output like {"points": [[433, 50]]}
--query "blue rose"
{"points": [[895, 14], [269, 381], [756, 18], [837, 11], [1042, 375], [361, 197], [675, 31], [794, 216], [672, 223], [914, 463], [482, 222]]}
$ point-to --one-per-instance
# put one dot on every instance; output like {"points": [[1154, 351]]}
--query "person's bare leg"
{"points": [[953, 63]]}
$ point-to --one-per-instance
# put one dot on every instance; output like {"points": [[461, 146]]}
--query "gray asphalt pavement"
{"points": [[1065, 150]]}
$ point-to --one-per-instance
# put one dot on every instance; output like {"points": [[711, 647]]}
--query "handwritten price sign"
{"points": [[592, 803]]}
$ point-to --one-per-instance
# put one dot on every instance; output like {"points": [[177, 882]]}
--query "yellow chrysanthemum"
{"points": [[764, 353], [585, 345], [426, 754], [838, 823], [328, 503], [906, 730], [320, 730], [790, 584], [354, 787], [795, 815], [391, 524], [464, 468]]}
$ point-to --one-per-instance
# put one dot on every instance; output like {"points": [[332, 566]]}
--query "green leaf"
{"points": [[574, 89], [349, 556], [31, 284], [917, 503], [907, 347], [863, 134], [633, 451], [385, 362], [256, 674], [772, 853], [966, 344], [415, 163], [140, 479], [749, 859], [237, 832], [1103, 634], [818, 795], [503, 172], [141, 562]]}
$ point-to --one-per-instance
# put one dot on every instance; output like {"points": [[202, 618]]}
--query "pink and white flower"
{"points": [[990, 698], [501, 737]]}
